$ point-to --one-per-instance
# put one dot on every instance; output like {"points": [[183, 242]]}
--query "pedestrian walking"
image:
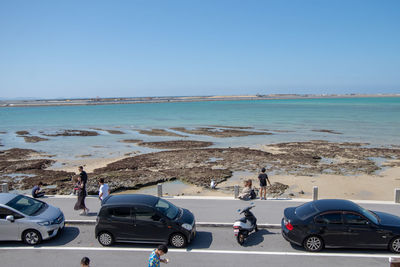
{"points": [[36, 193], [104, 189], [85, 262], [155, 256], [80, 203], [263, 178]]}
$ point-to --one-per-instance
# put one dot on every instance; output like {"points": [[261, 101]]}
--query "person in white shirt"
{"points": [[104, 190]]}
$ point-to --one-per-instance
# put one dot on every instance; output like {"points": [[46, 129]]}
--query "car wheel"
{"points": [[178, 240], [313, 243], [394, 245], [105, 239], [32, 237]]}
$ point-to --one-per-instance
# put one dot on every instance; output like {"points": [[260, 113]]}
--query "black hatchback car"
{"points": [[340, 223], [143, 219]]}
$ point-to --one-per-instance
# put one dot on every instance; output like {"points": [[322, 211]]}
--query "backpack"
{"points": [[253, 194]]}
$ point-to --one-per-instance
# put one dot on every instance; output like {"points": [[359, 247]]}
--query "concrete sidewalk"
{"points": [[211, 211]]}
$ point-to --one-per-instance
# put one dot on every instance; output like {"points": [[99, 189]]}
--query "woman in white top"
{"points": [[104, 190]]}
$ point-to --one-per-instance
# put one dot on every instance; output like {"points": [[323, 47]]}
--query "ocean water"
{"points": [[372, 120]]}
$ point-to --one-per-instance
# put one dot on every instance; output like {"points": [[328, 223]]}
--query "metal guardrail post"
{"points": [[236, 190], [4, 188], [315, 193], [159, 190], [397, 195]]}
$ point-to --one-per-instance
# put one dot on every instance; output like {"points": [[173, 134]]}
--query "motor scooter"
{"points": [[244, 226]]}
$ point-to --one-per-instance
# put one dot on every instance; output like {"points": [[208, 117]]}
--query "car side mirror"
{"points": [[10, 218]]}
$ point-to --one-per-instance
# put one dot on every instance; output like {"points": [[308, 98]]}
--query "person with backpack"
{"points": [[247, 192], [263, 178]]}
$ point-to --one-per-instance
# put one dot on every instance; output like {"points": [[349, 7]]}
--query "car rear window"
{"points": [[306, 210]]}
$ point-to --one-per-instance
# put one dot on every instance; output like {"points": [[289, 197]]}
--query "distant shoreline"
{"points": [[139, 100]]}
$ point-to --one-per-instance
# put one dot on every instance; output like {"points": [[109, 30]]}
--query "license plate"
{"points": [[236, 231]]}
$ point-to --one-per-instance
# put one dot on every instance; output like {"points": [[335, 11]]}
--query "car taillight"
{"points": [[288, 225]]}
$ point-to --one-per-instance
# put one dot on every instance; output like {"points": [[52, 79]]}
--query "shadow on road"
{"points": [[66, 236], [202, 240], [91, 214], [257, 238], [345, 250]]}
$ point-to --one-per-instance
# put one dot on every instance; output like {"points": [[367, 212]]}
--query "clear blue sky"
{"points": [[93, 48]]}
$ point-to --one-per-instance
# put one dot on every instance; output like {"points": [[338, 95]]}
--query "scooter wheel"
{"points": [[240, 238]]}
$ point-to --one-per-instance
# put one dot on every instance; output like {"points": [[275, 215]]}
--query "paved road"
{"points": [[212, 247], [212, 210]]}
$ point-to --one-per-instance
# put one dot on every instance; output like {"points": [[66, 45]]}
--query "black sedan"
{"points": [[340, 223]]}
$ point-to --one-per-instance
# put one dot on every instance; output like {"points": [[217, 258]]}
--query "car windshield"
{"points": [[306, 210], [26, 205], [370, 216], [167, 208]]}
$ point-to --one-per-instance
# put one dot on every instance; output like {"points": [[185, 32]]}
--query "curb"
{"points": [[301, 200], [198, 224]]}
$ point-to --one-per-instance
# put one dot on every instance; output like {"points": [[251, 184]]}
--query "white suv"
{"points": [[28, 219]]}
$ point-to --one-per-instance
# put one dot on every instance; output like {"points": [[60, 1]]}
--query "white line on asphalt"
{"points": [[210, 251]]}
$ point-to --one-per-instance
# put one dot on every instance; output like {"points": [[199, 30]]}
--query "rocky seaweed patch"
{"points": [[159, 132], [132, 141], [109, 131], [28, 138], [22, 132], [34, 139], [232, 127], [216, 132], [197, 165], [326, 131], [176, 144], [18, 160], [72, 133]]}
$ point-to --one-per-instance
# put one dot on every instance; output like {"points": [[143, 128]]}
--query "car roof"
{"points": [[6, 197], [130, 199], [335, 204]]}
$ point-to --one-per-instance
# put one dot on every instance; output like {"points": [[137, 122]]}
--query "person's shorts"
{"points": [[263, 186]]}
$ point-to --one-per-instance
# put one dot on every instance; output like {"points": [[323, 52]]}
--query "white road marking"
{"points": [[210, 251]]}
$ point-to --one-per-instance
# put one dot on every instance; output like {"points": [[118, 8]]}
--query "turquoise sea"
{"points": [[372, 120]]}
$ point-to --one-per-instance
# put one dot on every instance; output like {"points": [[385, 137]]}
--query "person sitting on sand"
{"points": [[36, 191], [247, 190]]}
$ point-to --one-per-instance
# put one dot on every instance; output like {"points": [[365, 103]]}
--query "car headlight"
{"points": [[46, 223], [187, 226]]}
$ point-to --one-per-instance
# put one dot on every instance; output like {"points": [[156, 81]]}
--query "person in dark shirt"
{"points": [[80, 203], [263, 178], [36, 191]]}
